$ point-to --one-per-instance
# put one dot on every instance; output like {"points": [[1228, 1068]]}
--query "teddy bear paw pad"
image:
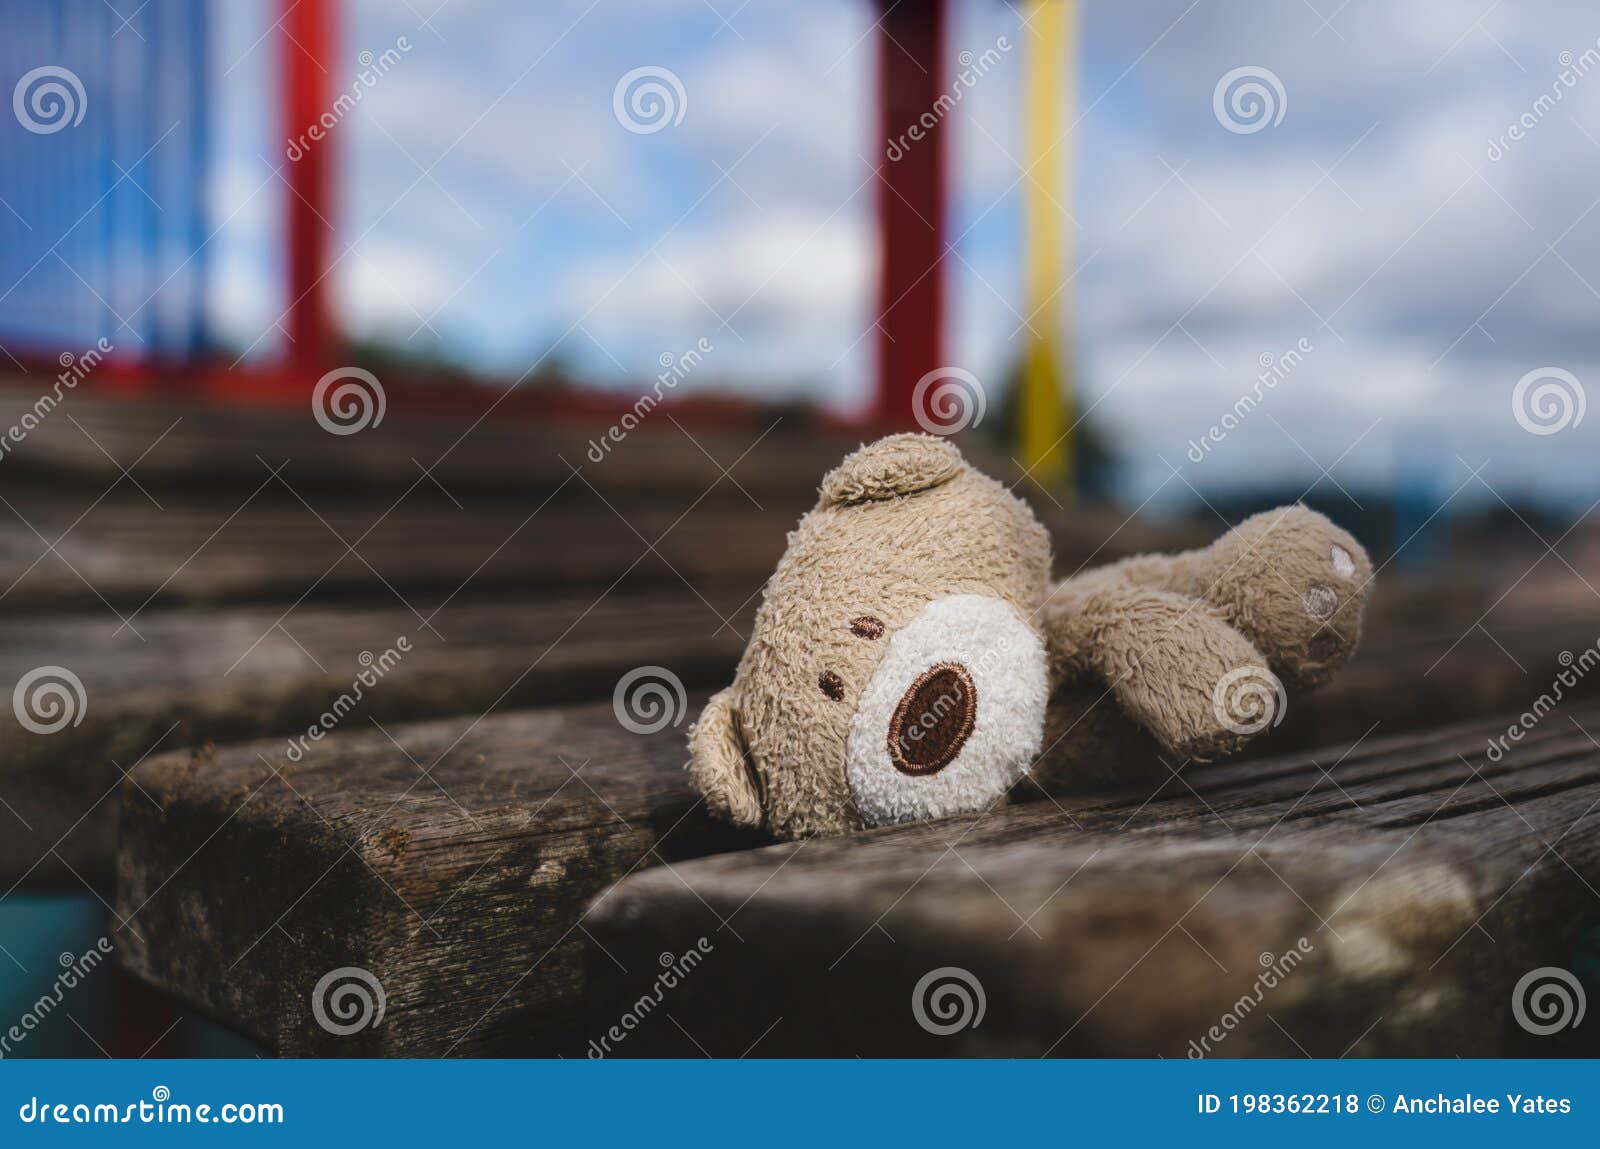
{"points": [[1320, 601]]}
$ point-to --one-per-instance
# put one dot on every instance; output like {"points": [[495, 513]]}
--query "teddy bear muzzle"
{"points": [[935, 718], [952, 715]]}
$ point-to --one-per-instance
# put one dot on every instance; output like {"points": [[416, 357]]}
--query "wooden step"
{"points": [[452, 860], [209, 807], [177, 445], [1380, 900], [126, 555], [224, 675], [159, 677], [170, 654]]}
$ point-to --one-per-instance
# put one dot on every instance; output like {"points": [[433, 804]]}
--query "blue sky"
{"points": [[1371, 221]]}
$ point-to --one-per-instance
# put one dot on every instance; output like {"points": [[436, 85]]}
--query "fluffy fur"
{"points": [[1006, 662], [1142, 655]]}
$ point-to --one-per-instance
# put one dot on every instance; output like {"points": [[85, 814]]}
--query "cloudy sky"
{"points": [[496, 209]]}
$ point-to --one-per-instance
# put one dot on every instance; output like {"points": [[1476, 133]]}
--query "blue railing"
{"points": [[103, 176]]}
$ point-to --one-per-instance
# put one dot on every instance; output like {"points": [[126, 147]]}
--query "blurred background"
{"points": [[1170, 260], [486, 214]]}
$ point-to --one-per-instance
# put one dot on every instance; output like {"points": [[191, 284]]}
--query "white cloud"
{"points": [[1439, 283]]}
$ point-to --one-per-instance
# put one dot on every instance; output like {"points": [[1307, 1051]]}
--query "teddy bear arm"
{"points": [[1288, 579], [1179, 573], [1294, 583], [1078, 609], [1159, 654]]}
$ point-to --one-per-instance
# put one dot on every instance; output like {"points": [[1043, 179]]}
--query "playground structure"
{"points": [[488, 827], [127, 199]]}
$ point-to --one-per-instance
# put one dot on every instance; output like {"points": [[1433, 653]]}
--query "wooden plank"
{"points": [[126, 552], [453, 868], [176, 677], [123, 551], [245, 672], [1409, 676], [1410, 881], [235, 673], [198, 444], [202, 813]]}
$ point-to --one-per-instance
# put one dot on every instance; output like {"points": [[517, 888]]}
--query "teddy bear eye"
{"points": [[866, 627], [832, 685]]}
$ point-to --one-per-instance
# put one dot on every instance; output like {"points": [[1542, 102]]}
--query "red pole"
{"points": [[911, 201], [308, 49]]}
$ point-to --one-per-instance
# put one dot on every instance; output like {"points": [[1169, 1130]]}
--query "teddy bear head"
{"points": [[897, 670]]}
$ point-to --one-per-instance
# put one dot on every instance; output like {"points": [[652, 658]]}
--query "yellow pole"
{"points": [[1045, 407]]}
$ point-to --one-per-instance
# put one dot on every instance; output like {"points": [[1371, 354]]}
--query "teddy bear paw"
{"points": [[1297, 586]]}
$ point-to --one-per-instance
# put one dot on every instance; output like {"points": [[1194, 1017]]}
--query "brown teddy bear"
{"points": [[912, 660]]}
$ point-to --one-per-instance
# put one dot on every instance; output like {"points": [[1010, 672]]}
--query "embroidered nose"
{"points": [[934, 720]]}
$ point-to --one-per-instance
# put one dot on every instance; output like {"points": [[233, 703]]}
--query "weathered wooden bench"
{"points": [[131, 555], [1380, 899], [226, 674], [507, 603], [451, 859], [452, 844], [175, 445], [247, 876], [126, 555]]}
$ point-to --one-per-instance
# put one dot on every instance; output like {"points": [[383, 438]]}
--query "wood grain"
{"points": [[125, 554], [453, 867], [223, 675], [198, 807], [234, 673], [214, 669], [1415, 882], [183, 445]]}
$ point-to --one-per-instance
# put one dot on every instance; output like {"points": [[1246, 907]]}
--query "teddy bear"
{"points": [[912, 659]]}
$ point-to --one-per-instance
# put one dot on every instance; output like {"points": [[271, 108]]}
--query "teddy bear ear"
{"points": [[718, 765], [890, 468]]}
